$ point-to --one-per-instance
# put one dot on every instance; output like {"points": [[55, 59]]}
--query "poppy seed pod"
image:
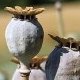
{"points": [[24, 34], [63, 62]]}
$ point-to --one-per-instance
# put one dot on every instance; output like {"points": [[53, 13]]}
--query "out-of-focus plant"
{"points": [[3, 75], [4, 3]]}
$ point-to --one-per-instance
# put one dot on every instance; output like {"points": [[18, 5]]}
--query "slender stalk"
{"points": [[24, 71], [58, 6]]}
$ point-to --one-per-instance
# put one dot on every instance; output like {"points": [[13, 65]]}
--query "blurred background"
{"points": [[49, 21]]}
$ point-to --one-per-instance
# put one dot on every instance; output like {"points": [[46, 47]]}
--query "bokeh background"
{"points": [[48, 19]]}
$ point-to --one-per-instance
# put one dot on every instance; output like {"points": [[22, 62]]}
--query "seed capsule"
{"points": [[24, 35]]}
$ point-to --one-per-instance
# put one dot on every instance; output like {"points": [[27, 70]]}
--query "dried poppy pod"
{"points": [[63, 62], [24, 34]]}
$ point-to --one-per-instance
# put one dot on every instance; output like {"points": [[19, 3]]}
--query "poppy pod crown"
{"points": [[28, 12]]}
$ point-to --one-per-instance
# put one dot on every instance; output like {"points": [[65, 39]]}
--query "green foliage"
{"points": [[70, 0], [4, 3]]}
